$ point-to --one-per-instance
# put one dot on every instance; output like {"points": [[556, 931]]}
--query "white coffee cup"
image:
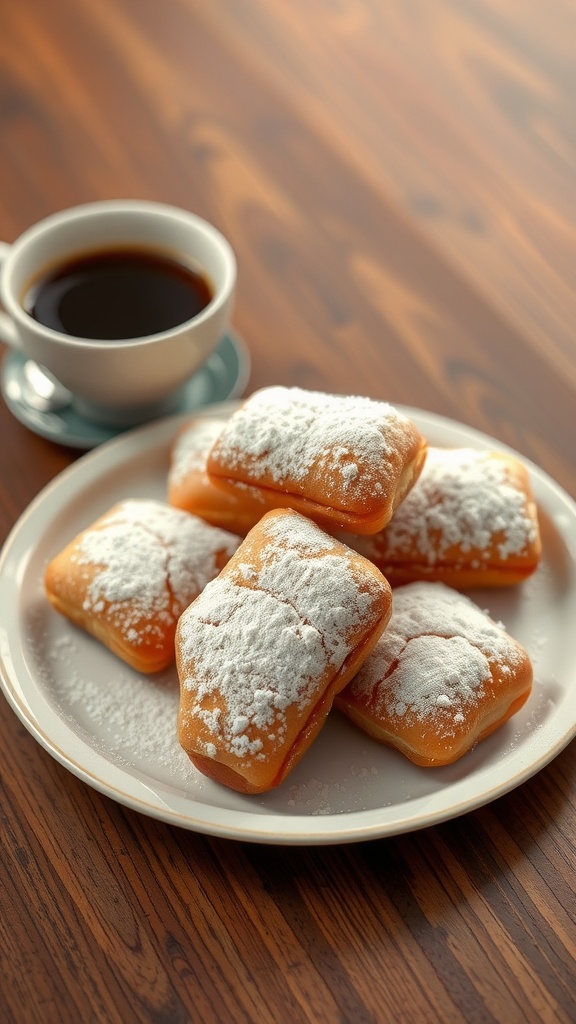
{"points": [[118, 382]]}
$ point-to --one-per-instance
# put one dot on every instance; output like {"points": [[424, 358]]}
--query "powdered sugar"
{"points": [[463, 498], [434, 658], [307, 581], [423, 684], [307, 539], [228, 634], [152, 560], [128, 718], [435, 609]]}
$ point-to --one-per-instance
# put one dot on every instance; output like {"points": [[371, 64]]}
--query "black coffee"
{"points": [[117, 293]]}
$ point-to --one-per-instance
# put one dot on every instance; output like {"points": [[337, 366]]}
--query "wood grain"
{"points": [[399, 183]]}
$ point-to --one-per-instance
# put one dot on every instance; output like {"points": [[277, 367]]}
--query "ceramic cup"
{"points": [[119, 382]]}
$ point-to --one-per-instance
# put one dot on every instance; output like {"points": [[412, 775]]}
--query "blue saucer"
{"points": [[223, 376]]}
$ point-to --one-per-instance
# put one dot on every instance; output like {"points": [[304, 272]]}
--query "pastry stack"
{"points": [[312, 552]]}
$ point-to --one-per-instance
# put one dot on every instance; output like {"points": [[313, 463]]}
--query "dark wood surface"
{"points": [[399, 183]]}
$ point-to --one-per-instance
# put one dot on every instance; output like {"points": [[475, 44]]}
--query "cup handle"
{"points": [[7, 329]]}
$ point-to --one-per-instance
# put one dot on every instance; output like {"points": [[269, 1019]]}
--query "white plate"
{"points": [[116, 730]]}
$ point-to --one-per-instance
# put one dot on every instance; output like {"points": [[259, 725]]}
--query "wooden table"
{"points": [[399, 184]]}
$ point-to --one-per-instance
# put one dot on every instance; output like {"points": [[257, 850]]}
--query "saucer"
{"points": [[224, 375]]}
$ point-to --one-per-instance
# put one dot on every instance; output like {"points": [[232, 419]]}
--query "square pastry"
{"points": [[346, 462], [127, 578], [263, 650], [440, 679], [469, 521]]}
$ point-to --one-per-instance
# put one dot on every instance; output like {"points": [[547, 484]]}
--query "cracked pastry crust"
{"points": [[263, 650], [470, 521], [442, 677], [127, 578], [346, 462]]}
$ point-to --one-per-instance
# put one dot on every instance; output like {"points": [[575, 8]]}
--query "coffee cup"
{"points": [[122, 301]]}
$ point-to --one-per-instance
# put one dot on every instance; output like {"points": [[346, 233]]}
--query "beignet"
{"points": [[440, 679], [127, 578], [469, 521], [263, 650], [190, 488], [345, 462]]}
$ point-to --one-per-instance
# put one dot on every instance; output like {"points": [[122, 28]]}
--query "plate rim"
{"points": [[259, 826]]}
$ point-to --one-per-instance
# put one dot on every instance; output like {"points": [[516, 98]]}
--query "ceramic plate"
{"points": [[115, 729]]}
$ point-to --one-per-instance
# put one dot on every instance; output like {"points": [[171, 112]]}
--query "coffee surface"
{"points": [[117, 294]]}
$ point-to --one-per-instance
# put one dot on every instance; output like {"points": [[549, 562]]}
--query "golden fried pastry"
{"points": [[263, 650], [440, 679], [345, 462], [190, 488], [127, 578], [470, 521]]}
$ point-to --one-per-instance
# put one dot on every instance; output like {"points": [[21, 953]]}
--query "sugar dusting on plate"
{"points": [[133, 716]]}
